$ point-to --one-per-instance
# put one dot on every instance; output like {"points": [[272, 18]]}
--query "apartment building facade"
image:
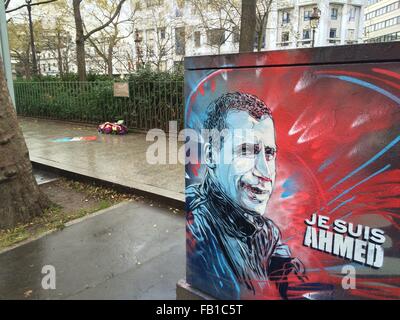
{"points": [[382, 21], [169, 30], [341, 22]]}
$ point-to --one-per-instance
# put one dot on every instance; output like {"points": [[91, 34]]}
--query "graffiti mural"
{"points": [[299, 197]]}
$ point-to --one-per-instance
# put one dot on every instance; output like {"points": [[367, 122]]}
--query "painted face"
{"points": [[246, 167]]}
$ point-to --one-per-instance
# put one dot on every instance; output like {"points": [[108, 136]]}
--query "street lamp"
{"points": [[314, 22]]}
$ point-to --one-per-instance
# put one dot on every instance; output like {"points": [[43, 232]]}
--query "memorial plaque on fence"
{"points": [[121, 89]]}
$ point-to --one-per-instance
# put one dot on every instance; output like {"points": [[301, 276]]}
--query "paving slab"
{"points": [[129, 251], [111, 158], [43, 177]]}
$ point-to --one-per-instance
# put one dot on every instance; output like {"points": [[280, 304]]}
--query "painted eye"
{"points": [[270, 153], [249, 149]]}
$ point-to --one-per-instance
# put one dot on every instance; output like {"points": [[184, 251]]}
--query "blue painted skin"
{"points": [[234, 250]]}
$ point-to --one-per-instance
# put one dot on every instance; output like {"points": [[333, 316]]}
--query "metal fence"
{"points": [[151, 104]]}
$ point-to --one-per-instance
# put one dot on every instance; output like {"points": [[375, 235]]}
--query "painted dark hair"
{"points": [[219, 108]]}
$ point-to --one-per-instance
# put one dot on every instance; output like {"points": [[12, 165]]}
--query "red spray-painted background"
{"points": [[338, 141]]}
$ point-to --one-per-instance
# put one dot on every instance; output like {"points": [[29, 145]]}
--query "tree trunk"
{"points": [[261, 32], [32, 39], [80, 41], [66, 59], [59, 54], [110, 60], [247, 26], [20, 196]]}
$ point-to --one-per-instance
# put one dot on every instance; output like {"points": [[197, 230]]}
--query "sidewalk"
{"points": [[116, 159], [129, 251]]}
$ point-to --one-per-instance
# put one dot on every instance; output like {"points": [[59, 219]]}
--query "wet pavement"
{"points": [[116, 159], [129, 251], [43, 177]]}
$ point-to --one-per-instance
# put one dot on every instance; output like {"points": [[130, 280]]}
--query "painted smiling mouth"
{"points": [[253, 190]]}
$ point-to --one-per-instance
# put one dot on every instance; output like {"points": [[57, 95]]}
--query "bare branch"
{"points": [[32, 4], [99, 52], [116, 13]]}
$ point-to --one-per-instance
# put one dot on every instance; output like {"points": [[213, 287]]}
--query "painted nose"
{"points": [[262, 170]]}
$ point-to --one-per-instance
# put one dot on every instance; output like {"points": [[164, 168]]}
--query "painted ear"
{"points": [[209, 156]]}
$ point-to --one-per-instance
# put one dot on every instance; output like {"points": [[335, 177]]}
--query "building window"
{"points": [[256, 39], [153, 3], [137, 6], [332, 33], [386, 38], [352, 14], [351, 36], [306, 37], [150, 42], [285, 38], [149, 35], [180, 41], [285, 17], [197, 38], [378, 12], [162, 33], [216, 37], [383, 24], [334, 13], [178, 12], [307, 15]]}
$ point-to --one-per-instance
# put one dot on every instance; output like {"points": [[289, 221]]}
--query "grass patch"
{"points": [[94, 198]]}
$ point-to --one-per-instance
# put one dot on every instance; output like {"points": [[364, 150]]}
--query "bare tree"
{"points": [[219, 19], [7, 3], [28, 4], [58, 43], [263, 12], [82, 37], [57, 37], [20, 197], [222, 19], [20, 43], [110, 37], [162, 42]]}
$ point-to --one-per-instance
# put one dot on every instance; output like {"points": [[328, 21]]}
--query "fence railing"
{"points": [[151, 104]]}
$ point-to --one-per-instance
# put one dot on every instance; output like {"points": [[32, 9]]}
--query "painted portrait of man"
{"points": [[236, 251]]}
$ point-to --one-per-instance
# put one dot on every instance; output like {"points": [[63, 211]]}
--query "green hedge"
{"points": [[155, 99], [145, 74]]}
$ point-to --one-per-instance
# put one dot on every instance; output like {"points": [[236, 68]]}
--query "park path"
{"points": [[129, 251], [134, 250], [116, 159]]}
